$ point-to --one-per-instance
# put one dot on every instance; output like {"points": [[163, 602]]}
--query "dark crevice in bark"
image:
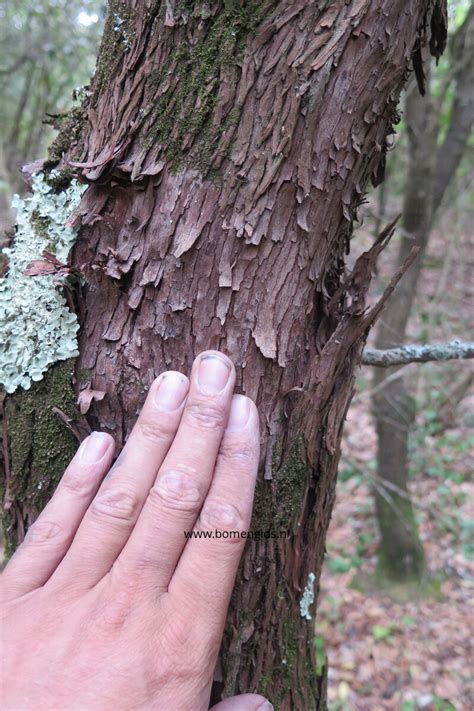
{"points": [[236, 239]]}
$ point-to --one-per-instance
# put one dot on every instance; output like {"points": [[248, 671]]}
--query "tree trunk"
{"points": [[401, 555], [227, 147], [462, 111]]}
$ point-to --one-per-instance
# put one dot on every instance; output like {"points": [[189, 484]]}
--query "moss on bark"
{"points": [[183, 116], [281, 679], [289, 479], [118, 33], [39, 444], [401, 556], [69, 136]]}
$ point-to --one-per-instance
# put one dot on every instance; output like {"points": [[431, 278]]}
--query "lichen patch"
{"points": [[37, 326]]}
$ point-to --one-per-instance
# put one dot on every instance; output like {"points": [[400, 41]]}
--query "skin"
{"points": [[106, 604]]}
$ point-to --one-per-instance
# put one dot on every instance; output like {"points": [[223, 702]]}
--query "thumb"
{"points": [[244, 702]]}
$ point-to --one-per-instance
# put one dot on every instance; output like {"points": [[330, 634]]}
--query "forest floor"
{"points": [[385, 654], [392, 655]]}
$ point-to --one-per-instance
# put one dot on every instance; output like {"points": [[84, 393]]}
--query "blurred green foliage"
{"points": [[442, 89], [47, 49]]}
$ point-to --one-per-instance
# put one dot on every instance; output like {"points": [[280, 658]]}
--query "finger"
{"points": [[244, 702], [182, 483], [50, 537], [114, 511], [210, 559]]}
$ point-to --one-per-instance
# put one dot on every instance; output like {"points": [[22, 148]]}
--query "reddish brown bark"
{"points": [[225, 169]]}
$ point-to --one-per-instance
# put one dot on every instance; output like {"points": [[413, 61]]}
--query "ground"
{"points": [[390, 655]]}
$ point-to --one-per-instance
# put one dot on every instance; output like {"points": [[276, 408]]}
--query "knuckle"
{"points": [[77, 483], [115, 504], [221, 515], [176, 489], [237, 450], [45, 532], [177, 631], [115, 607], [206, 414], [181, 660], [156, 430]]}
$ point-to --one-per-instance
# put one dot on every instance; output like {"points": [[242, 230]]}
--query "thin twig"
{"points": [[452, 350]]}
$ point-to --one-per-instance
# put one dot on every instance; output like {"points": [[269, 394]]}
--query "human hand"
{"points": [[106, 605]]}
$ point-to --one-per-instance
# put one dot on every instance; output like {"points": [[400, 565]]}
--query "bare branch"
{"points": [[452, 350]]}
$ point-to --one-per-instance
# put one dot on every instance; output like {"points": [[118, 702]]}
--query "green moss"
{"points": [[290, 652], [401, 591], [116, 40], [291, 481], [40, 224], [277, 501], [279, 681], [40, 445], [84, 375], [59, 180], [188, 110], [70, 130]]}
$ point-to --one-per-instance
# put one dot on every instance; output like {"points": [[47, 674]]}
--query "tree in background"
{"points": [[436, 147], [224, 149], [47, 49]]}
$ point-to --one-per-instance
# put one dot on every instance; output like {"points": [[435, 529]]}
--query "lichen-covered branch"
{"points": [[452, 350]]}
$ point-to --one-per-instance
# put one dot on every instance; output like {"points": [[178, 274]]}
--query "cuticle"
{"points": [[208, 356]]}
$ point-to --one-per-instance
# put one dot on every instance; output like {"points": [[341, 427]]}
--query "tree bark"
{"points": [[430, 170], [227, 147], [401, 555]]}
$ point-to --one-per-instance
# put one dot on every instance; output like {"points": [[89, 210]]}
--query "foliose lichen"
{"points": [[307, 598], [37, 326]]}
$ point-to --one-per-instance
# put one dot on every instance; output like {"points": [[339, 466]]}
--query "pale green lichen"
{"points": [[37, 327], [307, 598]]}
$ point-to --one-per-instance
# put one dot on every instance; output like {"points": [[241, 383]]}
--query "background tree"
{"points": [[225, 148], [436, 147], [47, 51]]}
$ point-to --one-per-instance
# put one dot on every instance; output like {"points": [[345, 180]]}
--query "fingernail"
{"points": [[172, 389], [213, 373], [266, 706], [239, 413], [94, 447]]}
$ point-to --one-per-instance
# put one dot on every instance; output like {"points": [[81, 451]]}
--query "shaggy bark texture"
{"points": [[227, 147]]}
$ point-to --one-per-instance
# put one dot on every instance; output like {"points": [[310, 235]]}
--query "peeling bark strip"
{"points": [[227, 146], [452, 350]]}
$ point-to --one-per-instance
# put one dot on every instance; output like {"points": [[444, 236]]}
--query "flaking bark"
{"points": [[218, 216]]}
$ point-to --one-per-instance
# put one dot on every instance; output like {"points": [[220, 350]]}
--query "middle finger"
{"points": [[175, 500]]}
